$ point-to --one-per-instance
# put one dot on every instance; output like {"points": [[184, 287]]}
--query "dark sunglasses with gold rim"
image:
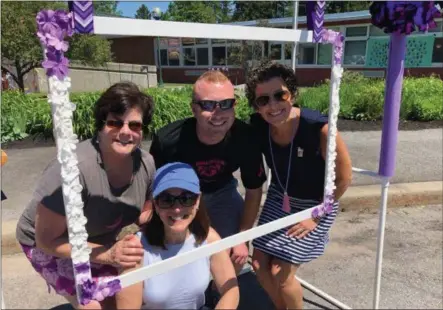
{"points": [[280, 95], [210, 105], [135, 126], [185, 199]]}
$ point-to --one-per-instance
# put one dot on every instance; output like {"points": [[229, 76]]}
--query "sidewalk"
{"points": [[366, 198], [411, 279], [417, 181]]}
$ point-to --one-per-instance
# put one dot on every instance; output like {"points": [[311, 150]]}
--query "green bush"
{"points": [[360, 99], [363, 98]]}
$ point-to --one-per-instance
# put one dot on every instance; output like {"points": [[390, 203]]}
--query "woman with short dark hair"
{"points": [[293, 141], [116, 178], [179, 225]]}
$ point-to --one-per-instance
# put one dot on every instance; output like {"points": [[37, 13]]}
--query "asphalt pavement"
{"points": [[411, 279], [419, 159]]}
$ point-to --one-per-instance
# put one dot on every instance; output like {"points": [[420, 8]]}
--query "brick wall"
{"points": [[306, 76], [133, 50]]}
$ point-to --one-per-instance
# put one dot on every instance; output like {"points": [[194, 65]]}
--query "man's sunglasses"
{"points": [[281, 95], [118, 124], [210, 105], [185, 199]]}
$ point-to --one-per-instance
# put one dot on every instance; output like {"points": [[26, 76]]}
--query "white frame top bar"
{"points": [[129, 27]]}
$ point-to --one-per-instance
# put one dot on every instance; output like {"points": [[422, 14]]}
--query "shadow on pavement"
{"points": [[63, 307], [252, 296], [315, 305]]}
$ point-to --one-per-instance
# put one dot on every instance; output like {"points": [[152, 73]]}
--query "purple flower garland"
{"points": [[90, 289], [404, 16], [337, 40], [52, 27]]}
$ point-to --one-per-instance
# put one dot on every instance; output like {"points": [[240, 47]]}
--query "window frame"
{"points": [[227, 44]]}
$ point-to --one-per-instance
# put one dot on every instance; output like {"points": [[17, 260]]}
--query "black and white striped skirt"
{"points": [[291, 249]]}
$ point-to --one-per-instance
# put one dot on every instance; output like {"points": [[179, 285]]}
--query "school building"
{"points": [[182, 60]]}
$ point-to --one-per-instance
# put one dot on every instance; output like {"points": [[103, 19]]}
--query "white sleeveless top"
{"points": [[180, 288]]}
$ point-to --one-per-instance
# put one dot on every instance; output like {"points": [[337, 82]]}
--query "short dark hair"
{"points": [[120, 98], [199, 227], [265, 71]]}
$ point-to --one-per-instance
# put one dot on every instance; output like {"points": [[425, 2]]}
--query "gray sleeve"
{"points": [[150, 169], [49, 188]]}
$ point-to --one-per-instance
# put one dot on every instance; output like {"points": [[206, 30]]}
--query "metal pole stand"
{"points": [[380, 241]]}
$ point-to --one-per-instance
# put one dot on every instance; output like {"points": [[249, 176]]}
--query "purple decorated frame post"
{"points": [[52, 28], [399, 19], [315, 20]]}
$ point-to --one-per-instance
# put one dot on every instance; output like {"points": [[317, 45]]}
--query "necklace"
{"points": [[286, 206]]}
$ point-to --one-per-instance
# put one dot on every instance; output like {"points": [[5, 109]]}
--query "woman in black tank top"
{"points": [[293, 141]]}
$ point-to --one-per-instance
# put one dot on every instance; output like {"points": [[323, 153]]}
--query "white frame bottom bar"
{"points": [[322, 294]]}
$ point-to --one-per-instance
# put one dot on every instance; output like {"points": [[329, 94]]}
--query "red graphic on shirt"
{"points": [[116, 223], [260, 172], [210, 168]]}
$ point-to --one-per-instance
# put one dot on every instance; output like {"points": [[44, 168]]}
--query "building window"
{"points": [[202, 56], [189, 58], [218, 41], [439, 27], [174, 56], [324, 54], [361, 31], [170, 51], [255, 50], [306, 54], [164, 57], [288, 50], [188, 41], [235, 55], [355, 53], [437, 52], [376, 32], [219, 55], [201, 41], [355, 45], [275, 51]]}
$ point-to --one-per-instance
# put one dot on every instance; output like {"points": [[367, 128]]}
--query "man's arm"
{"points": [[156, 151], [251, 208], [253, 177]]}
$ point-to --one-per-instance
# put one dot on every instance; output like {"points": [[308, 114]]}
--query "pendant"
{"points": [[286, 206]]}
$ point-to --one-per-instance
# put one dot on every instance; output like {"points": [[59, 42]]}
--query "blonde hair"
{"points": [[211, 76]]}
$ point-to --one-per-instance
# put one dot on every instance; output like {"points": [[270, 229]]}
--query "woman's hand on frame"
{"points": [[300, 230], [127, 252]]}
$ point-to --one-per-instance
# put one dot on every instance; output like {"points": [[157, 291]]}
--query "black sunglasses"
{"points": [[210, 105], [166, 200], [281, 95], [118, 124]]}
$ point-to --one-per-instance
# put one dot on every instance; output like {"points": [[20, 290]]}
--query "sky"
{"points": [[130, 7]]}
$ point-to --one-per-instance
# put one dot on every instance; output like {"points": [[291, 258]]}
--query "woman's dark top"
{"points": [[307, 173]]}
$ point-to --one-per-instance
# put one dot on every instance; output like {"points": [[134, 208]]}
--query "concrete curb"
{"points": [[357, 198]]}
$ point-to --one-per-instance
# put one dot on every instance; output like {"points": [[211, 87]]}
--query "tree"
{"points": [[254, 10], [143, 12], [89, 49], [189, 11], [346, 6], [249, 53], [106, 8], [221, 10], [21, 48]]}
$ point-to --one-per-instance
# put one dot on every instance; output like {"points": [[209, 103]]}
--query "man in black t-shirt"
{"points": [[216, 144]]}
